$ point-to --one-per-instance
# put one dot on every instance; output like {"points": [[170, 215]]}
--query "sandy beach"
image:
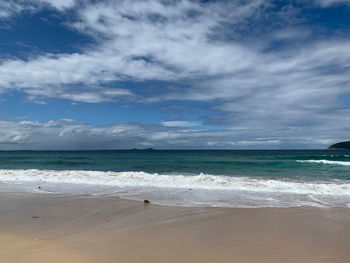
{"points": [[52, 228], [184, 131]]}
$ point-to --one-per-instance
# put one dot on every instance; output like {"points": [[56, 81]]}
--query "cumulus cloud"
{"points": [[143, 40], [222, 52]]}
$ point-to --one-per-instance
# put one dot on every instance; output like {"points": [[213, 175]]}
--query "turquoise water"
{"points": [[270, 164], [191, 178]]}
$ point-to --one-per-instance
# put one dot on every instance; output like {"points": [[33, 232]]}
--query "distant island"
{"points": [[340, 146]]}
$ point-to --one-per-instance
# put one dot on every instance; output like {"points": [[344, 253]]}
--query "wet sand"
{"points": [[51, 228], [15, 248]]}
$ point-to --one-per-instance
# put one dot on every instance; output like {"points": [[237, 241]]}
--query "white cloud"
{"points": [[179, 123], [151, 40], [9, 8], [286, 92], [255, 142], [64, 134], [326, 3], [139, 48], [58, 4]]}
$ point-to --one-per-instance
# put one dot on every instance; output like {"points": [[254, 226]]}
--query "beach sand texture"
{"points": [[52, 228]]}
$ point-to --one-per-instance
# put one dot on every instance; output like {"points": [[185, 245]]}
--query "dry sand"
{"points": [[50, 228]]}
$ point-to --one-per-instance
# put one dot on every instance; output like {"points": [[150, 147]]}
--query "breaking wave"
{"points": [[201, 189], [325, 162]]}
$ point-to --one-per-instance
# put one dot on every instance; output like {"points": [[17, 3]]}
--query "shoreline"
{"points": [[103, 229], [186, 190]]}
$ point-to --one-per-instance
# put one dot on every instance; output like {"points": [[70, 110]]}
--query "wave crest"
{"points": [[201, 181], [325, 162]]}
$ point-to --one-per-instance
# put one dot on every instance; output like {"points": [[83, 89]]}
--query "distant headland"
{"points": [[340, 146]]}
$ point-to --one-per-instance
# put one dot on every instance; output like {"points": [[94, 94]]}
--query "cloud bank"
{"points": [[68, 135]]}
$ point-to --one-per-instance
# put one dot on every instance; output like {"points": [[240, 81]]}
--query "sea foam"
{"points": [[325, 162], [201, 189]]}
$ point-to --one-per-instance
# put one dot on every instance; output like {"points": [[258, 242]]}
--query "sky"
{"points": [[180, 74]]}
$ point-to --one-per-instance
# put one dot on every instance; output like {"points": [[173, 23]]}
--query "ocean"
{"points": [[222, 178]]}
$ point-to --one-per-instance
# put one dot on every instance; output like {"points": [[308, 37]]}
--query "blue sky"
{"points": [[114, 74]]}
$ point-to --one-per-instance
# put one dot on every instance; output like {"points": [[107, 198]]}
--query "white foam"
{"points": [[201, 181], [184, 190], [325, 162]]}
